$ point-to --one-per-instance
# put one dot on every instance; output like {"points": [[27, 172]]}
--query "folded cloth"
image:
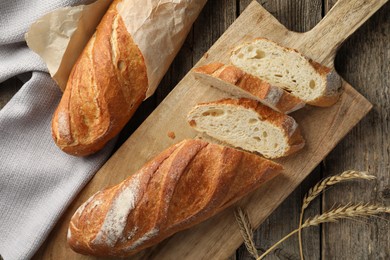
{"points": [[37, 180]]}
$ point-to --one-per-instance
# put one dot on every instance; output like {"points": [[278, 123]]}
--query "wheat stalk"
{"points": [[320, 187], [332, 180], [346, 212], [246, 231], [343, 212]]}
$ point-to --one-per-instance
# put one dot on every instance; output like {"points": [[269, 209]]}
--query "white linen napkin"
{"points": [[37, 180]]}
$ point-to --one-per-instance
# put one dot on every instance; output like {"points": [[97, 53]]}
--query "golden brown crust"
{"points": [[253, 85], [333, 89], [184, 185], [273, 96], [105, 87], [296, 142], [210, 68]]}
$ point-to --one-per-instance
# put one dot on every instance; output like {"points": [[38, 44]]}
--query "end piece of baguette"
{"points": [[240, 84], [287, 68], [249, 125]]}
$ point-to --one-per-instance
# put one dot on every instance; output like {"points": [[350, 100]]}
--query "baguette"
{"points": [[286, 68], [184, 185], [105, 87], [233, 80], [122, 64], [247, 124]]}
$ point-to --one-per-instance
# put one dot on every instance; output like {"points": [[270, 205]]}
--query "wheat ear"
{"points": [[320, 187], [343, 212], [346, 212], [246, 231], [332, 180]]}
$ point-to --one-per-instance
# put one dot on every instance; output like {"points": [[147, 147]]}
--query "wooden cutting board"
{"points": [[322, 128]]}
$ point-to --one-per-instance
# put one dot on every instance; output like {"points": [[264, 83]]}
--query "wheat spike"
{"points": [[246, 231], [320, 187], [346, 212], [332, 180]]}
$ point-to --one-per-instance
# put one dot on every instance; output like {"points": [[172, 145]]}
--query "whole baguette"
{"points": [[184, 185], [106, 85], [238, 83]]}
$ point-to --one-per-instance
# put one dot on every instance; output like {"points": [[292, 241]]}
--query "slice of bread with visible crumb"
{"points": [[233, 80], [287, 68], [247, 124]]}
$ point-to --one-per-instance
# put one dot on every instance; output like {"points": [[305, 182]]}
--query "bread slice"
{"points": [[233, 80], [286, 68], [249, 125]]}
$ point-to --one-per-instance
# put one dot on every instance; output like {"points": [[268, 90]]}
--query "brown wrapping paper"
{"points": [[60, 36], [158, 27]]}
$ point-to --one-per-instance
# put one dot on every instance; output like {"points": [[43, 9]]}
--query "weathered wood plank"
{"points": [[364, 61], [213, 21], [296, 16]]}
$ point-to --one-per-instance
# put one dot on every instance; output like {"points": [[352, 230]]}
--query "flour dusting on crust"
{"points": [[273, 96], [116, 218], [69, 234], [148, 235]]}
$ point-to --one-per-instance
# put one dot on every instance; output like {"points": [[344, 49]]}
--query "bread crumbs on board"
{"points": [[171, 135]]}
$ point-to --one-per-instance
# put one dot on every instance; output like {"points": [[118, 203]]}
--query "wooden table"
{"points": [[364, 61]]}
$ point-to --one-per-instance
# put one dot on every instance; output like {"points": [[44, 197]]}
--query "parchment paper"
{"points": [[158, 27], [60, 36]]}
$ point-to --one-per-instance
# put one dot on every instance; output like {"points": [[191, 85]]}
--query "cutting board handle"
{"points": [[339, 23]]}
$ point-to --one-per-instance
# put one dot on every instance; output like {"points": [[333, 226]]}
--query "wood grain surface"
{"points": [[363, 61]]}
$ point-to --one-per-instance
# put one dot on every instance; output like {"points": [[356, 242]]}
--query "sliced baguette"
{"points": [[286, 68], [249, 125], [233, 80]]}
